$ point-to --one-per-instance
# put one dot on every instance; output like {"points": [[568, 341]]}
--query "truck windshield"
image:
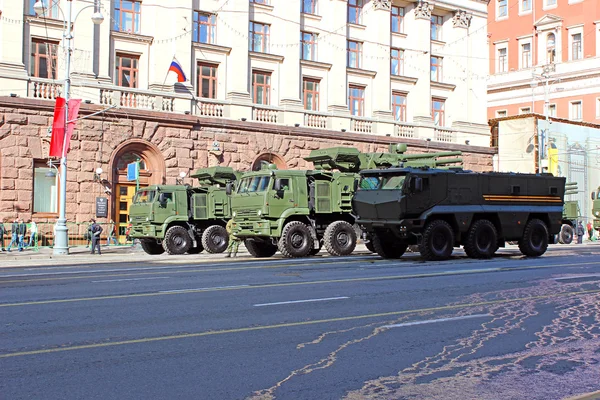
{"points": [[393, 182], [144, 196], [369, 183], [385, 182], [254, 184]]}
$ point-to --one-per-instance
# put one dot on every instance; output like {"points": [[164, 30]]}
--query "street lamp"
{"points": [[61, 246], [545, 78]]}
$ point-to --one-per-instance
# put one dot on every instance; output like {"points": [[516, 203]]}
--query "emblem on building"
{"points": [[461, 19], [382, 5], [423, 10]]}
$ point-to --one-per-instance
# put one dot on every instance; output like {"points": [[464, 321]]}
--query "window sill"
{"points": [[212, 48], [502, 18], [314, 17], [265, 56], [315, 64], [357, 26], [266, 7], [549, 7], [131, 37], [361, 72], [528, 12], [400, 34], [443, 86], [404, 79], [438, 42], [45, 22]]}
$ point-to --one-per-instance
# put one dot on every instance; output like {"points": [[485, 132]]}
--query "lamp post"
{"points": [[61, 246], [542, 136]]}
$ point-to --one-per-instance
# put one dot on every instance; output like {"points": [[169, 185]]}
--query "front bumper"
{"points": [[252, 228], [141, 231], [401, 227]]}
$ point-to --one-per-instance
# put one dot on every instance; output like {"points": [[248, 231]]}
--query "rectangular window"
{"points": [[205, 27], [309, 6], [310, 93], [260, 1], [261, 87], [356, 100], [207, 80], [437, 111], [397, 59], [399, 106], [502, 8], [525, 110], [436, 27], [259, 37], [50, 8], [126, 70], [502, 60], [397, 19], [43, 59], [355, 11], [525, 5], [500, 113], [576, 110], [436, 69], [552, 110], [354, 54], [127, 15], [45, 188], [526, 55], [550, 3], [576, 47], [309, 46]]}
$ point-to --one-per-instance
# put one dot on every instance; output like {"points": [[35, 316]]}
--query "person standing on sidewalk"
{"points": [[590, 230], [2, 232], [14, 233], [32, 233], [234, 241], [580, 232], [96, 230], [22, 230], [110, 233]]}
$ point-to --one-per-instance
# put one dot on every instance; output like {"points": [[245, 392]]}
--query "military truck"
{"points": [[596, 209], [181, 218], [571, 212], [442, 209], [298, 212]]}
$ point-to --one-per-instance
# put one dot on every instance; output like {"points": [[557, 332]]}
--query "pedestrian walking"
{"points": [[128, 235], [21, 230], [580, 232], [2, 233], [590, 230], [234, 241], [87, 235], [33, 230], [110, 233], [14, 234], [95, 230]]}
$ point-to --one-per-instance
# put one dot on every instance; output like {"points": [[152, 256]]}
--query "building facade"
{"points": [[266, 82], [544, 57]]}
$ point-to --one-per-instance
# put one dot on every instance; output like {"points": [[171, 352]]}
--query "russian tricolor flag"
{"points": [[176, 67]]}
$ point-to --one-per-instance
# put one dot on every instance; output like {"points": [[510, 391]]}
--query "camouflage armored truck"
{"points": [[297, 212], [180, 218], [571, 212], [442, 209]]}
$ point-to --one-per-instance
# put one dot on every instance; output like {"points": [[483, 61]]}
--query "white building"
{"points": [[398, 68]]}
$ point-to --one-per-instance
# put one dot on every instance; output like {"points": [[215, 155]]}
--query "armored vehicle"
{"points": [[182, 218], [297, 212], [442, 209], [596, 209], [571, 212]]}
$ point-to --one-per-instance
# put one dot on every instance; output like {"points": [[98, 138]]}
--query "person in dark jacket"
{"points": [[580, 232], [2, 232], [21, 230], [14, 233], [96, 230]]}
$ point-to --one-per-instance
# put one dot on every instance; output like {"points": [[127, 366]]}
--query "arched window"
{"points": [[129, 158], [550, 48], [268, 158]]}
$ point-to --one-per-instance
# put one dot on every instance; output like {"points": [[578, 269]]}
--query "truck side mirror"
{"points": [[228, 188], [418, 184], [593, 196]]}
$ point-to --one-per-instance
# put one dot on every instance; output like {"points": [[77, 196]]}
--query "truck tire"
{"points": [[260, 249], [177, 240], [387, 248], [482, 240], [215, 239], [438, 241], [151, 247], [534, 242], [295, 240], [314, 251], [340, 238], [196, 250], [369, 246], [566, 234]]}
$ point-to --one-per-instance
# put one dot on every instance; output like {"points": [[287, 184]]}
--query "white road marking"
{"points": [[433, 321], [204, 288], [300, 301], [566, 278], [131, 279]]}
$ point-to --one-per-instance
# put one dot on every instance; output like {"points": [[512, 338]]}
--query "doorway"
{"points": [[125, 193]]}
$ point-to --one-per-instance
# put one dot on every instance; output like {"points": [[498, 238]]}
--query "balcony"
{"points": [[45, 89], [443, 134]]}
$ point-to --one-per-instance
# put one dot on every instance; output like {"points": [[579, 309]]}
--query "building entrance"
{"points": [[125, 193]]}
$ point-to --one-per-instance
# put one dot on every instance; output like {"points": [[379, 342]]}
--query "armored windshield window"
{"points": [[369, 183], [254, 184], [144, 196], [393, 182]]}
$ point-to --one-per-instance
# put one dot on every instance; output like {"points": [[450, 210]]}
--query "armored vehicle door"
{"points": [[166, 204], [419, 195], [281, 196]]}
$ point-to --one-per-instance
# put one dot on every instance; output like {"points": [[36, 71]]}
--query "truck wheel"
{"points": [[196, 250], [438, 241], [151, 247], [314, 251], [177, 240], [340, 238], [482, 240], [535, 238], [388, 248], [566, 234], [369, 245], [260, 249], [295, 240], [215, 239]]}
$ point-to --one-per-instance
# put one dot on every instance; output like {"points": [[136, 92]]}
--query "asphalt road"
{"points": [[319, 328]]}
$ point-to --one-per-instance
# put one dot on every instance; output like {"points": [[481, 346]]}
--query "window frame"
{"points": [[211, 27], [397, 13], [266, 86], [579, 104], [359, 99], [550, 50], [554, 107], [357, 52], [573, 48], [312, 8], [501, 113], [524, 110], [501, 59], [524, 60], [399, 109], [357, 6], [501, 4], [399, 61], [119, 56], [314, 102], [213, 79], [51, 59], [136, 15], [522, 10], [441, 111], [438, 68], [436, 25], [311, 43], [264, 33], [53, 9]]}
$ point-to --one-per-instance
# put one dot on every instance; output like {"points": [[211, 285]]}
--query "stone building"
{"points": [[264, 83]]}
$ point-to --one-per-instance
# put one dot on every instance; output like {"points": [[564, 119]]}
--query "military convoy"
{"points": [[442, 209], [299, 211], [596, 209], [571, 213], [181, 218]]}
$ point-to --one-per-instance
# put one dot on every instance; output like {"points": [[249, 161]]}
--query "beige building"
{"points": [[265, 82]]}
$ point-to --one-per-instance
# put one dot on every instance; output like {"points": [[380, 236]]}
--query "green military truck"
{"points": [[442, 209], [181, 218], [571, 213], [299, 211], [596, 209]]}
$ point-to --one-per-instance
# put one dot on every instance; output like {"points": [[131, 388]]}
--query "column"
{"points": [[289, 33], [421, 32], [459, 65], [333, 50], [12, 46], [235, 13]]}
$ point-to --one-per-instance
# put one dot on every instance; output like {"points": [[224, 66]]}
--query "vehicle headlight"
{"points": [[130, 219], [259, 213], [234, 214], [597, 213], [147, 219]]}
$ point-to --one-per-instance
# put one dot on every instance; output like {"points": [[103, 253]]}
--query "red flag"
{"points": [[58, 128], [73, 113]]}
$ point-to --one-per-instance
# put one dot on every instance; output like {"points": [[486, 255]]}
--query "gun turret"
{"points": [[350, 159], [215, 176]]}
